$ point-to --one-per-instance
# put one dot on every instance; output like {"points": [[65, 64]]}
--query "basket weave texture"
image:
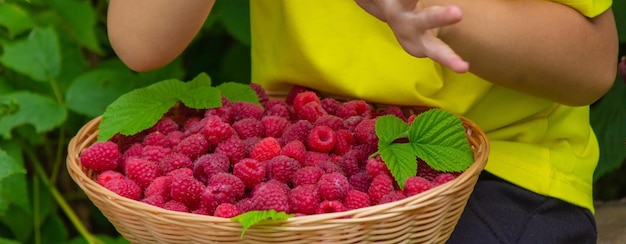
{"points": [[428, 217]]}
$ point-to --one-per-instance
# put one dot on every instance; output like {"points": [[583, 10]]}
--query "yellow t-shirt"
{"points": [[336, 47]]}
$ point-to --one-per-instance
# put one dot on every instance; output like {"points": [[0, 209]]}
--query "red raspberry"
{"points": [[330, 167], [133, 151], [142, 171], [330, 207], [351, 161], [334, 122], [175, 137], [214, 195], [238, 187], [193, 146], [298, 131], [321, 139], [333, 186], [360, 181], [381, 185], [330, 105], [109, 175], [312, 158], [166, 125], [311, 112], [356, 199], [156, 138], [260, 92], [249, 127], [375, 166], [174, 205], [210, 164], [365, 132], [415, 185], [392, 197], [124, 187], [194, 125], [269, 196], [154, 153], [443, 178], [274, 125], [245, 205], [410, 119], [250, 142], [241, 110], [187, 172], [354, 108], [161, 186], [202, 211], [343, 141], [174, 161], [304, 199], [278, 109], [101, 156], [234, 148], [307, 175], [226, 210], [304, 98], [395, 111], [426, 171], [216, 130], [223, 112], [187, 190], [266, 149], [155, 200], [250, 171], [351, 122], [295, 150], [282, 168], [295, 90]]}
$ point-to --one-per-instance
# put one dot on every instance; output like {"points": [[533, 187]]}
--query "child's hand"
{"points": [[416, 28]]}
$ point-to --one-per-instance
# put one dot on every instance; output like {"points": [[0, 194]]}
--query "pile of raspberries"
{"points": [[302, 155]]}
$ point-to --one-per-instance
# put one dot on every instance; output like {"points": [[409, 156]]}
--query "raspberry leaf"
{"points": [[238, 92], [21, 108], [202, 97], [201, 80], [389, 128], [400, 160], [251, 218], [439, 138]]}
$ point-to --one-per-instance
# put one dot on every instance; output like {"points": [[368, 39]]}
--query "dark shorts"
{"points": [[500, 212]]}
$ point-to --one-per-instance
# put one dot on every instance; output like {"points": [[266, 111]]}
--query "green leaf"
{"points": [[619, 12], [439, 138], [236, 19], [201, 80], [22, 231], [238, 92], [14, 18], [38, 56], [608, 118], [202, 97], [34, 109], [251, 218], [93, 91], [140, 109], [389, 128], [8, 166], [7, 241], [81, 21], [54, 230], [400, 160]]}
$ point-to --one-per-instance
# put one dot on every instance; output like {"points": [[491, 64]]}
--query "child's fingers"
{"points": [[440, 52], [435, 17]]}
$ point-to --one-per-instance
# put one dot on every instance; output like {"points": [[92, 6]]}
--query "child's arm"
{"points": [[147, 34], [533, 46]]}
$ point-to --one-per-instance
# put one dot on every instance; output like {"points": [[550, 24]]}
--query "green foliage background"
{"points": [[57, 71]]}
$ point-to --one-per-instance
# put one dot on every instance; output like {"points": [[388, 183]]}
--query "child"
{"points": [[524, 71]]}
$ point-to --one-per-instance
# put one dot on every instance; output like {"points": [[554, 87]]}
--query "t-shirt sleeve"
{"points": [[589, 8]]}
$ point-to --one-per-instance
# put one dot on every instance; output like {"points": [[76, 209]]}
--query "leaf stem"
{"points": [[56, 90], [59, 156], [36, 213]]}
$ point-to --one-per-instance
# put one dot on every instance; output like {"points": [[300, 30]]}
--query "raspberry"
{"points": [[241, 110], [142, 171], [375, 166], [133, 151], [214, 195], [312, 158], [155, 200], [295, 90], [304, 199], [306, 175], [360, 181], [174, 161], [249, 127], [101, 156], [282, 168], [202, 211], [410, 119], [233, 147], [356, 199], [297, 131], [415, 185], [175, 137], [124, 187], [334, 122], [333, 186], [244, 205], [295, 150], [223, 112], [351, 160], [265, 149], [260, 92], [392, 197], [250, 142], [210, 164], [193, 146], [311, 112], [365, 132], [424, 170], [174, 205], [216, 130], [156, 139], [186, 189], [274, 125], [330, 167], [395, 111], [269, 196], [330, 105], [304, 98], [107, 176], [354, 108], [343, 141], [187, 172], [277, 109], [351, 122], [226, 210], [154, 153], [321, 139], [194, 125], [160, 186], [443, 178], [250, 171], [166, 125], [238, 187], [330, 207], [381, 185]]}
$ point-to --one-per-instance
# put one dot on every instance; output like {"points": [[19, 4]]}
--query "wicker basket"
{"points": [[429, 217]]}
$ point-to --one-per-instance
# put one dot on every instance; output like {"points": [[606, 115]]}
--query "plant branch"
{"points": [[59, 155]]}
